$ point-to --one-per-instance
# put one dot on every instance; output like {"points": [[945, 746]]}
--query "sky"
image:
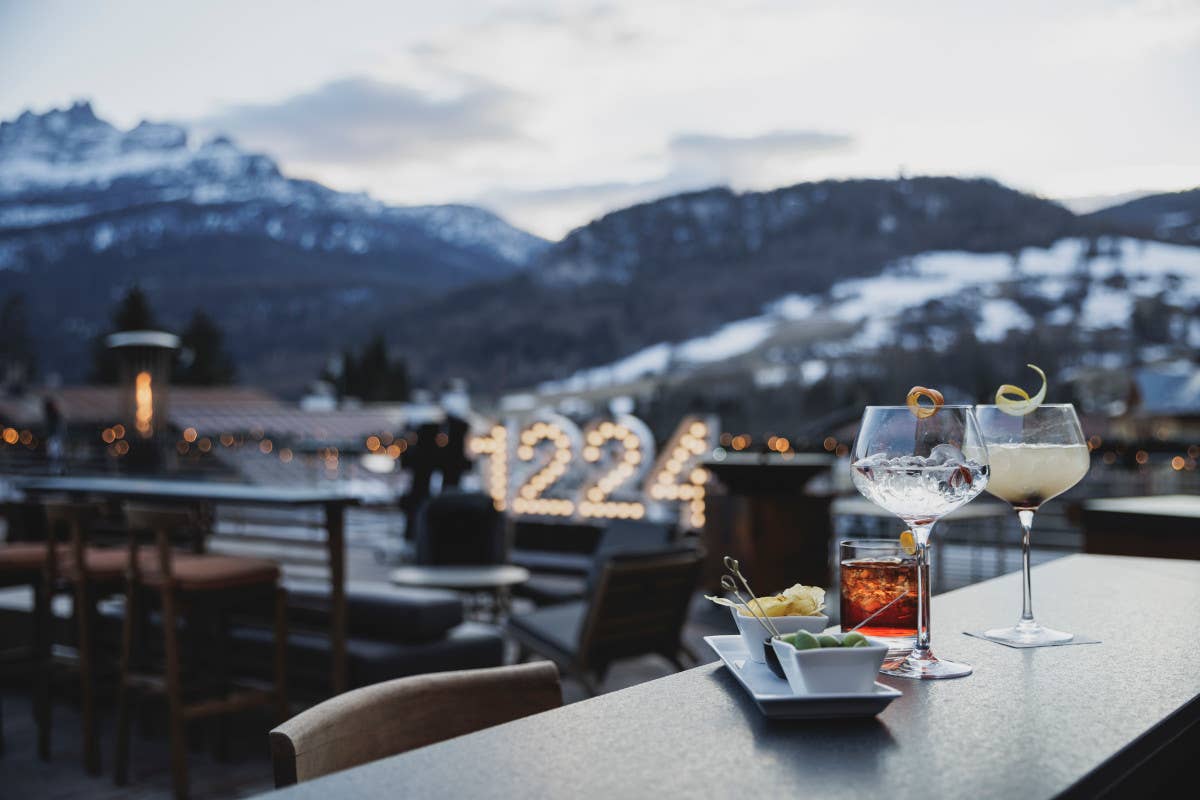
{"points": [[552, 113]]}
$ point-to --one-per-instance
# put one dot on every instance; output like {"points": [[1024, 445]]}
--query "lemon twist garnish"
{"points": [[914, 401], [908, 543], [1020, 403]]}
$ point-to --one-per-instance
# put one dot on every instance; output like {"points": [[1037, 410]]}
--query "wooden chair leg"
{"points": [[281, 631], [178, 733], [43, 644], [83, 619], [121, 768], [220, 646]]}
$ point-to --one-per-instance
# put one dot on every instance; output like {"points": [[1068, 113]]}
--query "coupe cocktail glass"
{"points": [[920, 467], [1034, 457]]}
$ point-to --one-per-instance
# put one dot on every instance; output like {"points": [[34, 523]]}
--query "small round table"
{"points": [[494, 579]]}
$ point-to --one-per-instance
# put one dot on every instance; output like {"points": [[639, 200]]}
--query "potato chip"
{"points": [[795, 601]]}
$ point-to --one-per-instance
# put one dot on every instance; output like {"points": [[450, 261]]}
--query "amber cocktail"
{"points": [[874, 573]]}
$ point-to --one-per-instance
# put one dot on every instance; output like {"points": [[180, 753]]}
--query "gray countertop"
{"points": [[1029, 723]]}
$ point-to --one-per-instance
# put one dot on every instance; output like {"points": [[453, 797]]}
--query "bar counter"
{"points": [[1071, 721]]}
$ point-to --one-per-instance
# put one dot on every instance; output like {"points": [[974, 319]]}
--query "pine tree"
{"points": [[371, 375], [17, 361], [203, 360]]}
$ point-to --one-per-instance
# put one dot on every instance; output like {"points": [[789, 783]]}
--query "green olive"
{"points": [[803, 640], [852, 639], [828, 640]]}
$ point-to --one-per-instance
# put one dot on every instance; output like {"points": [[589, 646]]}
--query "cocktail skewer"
{"points": [[732, 565], [893, 602], [728, 585]]}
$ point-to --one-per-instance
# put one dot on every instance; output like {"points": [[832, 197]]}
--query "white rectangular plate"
{"points": [[774, 697]]}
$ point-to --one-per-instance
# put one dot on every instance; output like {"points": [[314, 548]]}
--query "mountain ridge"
{"points": [[295, 271], [680, 267]]}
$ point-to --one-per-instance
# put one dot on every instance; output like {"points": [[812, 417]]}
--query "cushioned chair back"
{"points": [[395, 716], [635, 535], [557, 537], [639, 604], [461, 528]]}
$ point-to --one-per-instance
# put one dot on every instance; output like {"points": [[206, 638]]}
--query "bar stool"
{"points": [[22, 564], [87, 573], [185, 586]]}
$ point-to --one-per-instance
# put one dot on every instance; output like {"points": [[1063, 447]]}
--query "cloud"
{"points": [[361, 120], [691, 161], [788, 143], [746, 160]]}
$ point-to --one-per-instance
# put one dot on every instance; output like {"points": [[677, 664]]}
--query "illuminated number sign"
{"points": [[677, 477], [547, 466], [545, 454], [493, 447], [624, 447]]}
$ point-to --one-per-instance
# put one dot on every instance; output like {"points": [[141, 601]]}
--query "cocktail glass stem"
{"points": [[921, 535], [1026, 517], [1027, 631]]}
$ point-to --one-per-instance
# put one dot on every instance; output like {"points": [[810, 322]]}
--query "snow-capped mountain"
{"points": [[719, 288], [290, 268], [1070, 287], [67, 165]]}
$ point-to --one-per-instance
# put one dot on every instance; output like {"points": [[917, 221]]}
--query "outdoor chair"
{"points": [[461, 528], [200, 590], [637, 605], [559, 585], [396, 716]]}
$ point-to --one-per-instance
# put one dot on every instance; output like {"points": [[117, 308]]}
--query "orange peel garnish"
{"points": [[1015, 401], [914, 401], [908, 543]]}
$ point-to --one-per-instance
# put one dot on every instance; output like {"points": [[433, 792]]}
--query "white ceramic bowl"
{"points": [[754, 636], [831, 670]]}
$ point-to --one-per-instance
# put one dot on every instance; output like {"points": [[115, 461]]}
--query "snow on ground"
{"points": [[999, 316], [983, 282], [1106, 307], [728, 340]]}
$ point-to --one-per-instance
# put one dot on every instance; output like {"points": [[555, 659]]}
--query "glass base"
{"points": [[1028, 634], [925, 667]]}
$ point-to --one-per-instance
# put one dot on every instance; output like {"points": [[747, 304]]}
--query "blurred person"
{"points": [[56, 435]]}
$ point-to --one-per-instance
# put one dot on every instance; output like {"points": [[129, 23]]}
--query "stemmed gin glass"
{"points": [[1035, 455], [920, 466]]}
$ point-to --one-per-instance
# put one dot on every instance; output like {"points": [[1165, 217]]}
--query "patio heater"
{"points": [[144, 375]]}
